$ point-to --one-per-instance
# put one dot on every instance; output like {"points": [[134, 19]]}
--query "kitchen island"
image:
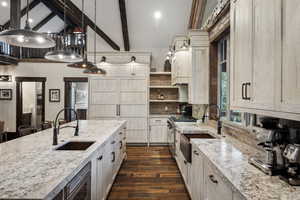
{"points": [[32, 168]]}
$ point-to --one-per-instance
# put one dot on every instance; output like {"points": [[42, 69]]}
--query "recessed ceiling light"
{"points": [[4, 4], [30, 20], [157, 15]]}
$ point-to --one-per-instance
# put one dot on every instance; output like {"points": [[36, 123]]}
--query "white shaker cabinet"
{"points": [[198, 87], [241, 37], [215, 188], [197, 175], [158, 131], [124, 98], [290, 101], [266, 53]]}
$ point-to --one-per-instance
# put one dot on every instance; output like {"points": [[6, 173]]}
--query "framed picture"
{"points": [[5, 94], [54, 95]]}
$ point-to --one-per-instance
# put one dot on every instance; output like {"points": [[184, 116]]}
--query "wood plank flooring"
{"points": [[151, 174]]}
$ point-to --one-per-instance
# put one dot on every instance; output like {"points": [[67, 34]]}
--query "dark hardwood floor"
{"points": [[149, 173]]}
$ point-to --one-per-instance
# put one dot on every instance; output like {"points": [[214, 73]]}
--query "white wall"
{"points": [[54, 72]]}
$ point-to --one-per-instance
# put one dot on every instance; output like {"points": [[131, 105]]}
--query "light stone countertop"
{"points": [[230, 157], [30, 168]]}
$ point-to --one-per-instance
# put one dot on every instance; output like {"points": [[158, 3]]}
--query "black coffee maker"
{"points": [[291, 155]]}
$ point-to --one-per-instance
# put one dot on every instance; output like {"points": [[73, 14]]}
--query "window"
{"points": [[223, 82]]}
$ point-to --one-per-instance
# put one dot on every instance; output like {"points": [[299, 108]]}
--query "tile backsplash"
{"points": [[198, 111]]}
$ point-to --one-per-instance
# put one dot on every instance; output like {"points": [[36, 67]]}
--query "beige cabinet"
{"points": [[215, 188], [290, 101], [198, 87], [264, 74], [181, 67], [158, 131], [266, 53], [241, 38], [124, 98], [197, 175]]}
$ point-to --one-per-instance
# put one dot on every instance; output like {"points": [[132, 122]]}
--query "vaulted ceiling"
{"points": [[151, 23]]}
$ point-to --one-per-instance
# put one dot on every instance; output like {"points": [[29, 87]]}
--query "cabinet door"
{"points": [[104, 97], [196, 175], [241, 51], [290, 100], [100, 182], [215, 187], [199, 83], [158, 134], [182, 70], [266, 57]]}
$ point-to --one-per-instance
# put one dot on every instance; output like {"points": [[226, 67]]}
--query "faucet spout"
{"points": [[57, 128], [219, 122]]}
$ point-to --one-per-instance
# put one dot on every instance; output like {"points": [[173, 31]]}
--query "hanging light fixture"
{"points": [[62, 54], [85, 64], [26, 37], [95, 69], [185, 45]]}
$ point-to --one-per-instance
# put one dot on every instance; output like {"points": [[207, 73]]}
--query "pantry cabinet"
{"points": [[264, 57], [122, 97]]}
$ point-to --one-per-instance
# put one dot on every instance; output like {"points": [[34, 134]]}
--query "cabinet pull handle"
{"points": [[114, 156], [117, 110], [213, 179], [100, 158], [196, 153], [121, 144], [120, 133], [243, 91], [113, 142], [246, 86]]}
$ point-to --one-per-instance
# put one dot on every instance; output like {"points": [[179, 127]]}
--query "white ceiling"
{"points": [[145, 32]]}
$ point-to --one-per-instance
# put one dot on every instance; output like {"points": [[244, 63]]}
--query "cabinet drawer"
{"points": [[158, 121], [216, 185]]}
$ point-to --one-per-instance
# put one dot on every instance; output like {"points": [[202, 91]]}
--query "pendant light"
{"points": [[85, 64], [62, 54], [95, 70], [26, 37]]}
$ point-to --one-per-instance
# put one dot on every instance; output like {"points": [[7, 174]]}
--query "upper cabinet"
{"points": [[181, 71], [290, 101], [190, 65], [263, 75], [199, 61]]}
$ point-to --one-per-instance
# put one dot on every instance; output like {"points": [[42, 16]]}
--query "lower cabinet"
{"points": [[203, 181], [158, 130], [197, 175], [106, 164]]}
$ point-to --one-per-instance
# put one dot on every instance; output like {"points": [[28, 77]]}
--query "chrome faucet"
{"points": [[219, 125], [56, 129]]}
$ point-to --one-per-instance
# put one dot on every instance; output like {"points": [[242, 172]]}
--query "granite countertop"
{"points": [[230, 157], [30, 168]]}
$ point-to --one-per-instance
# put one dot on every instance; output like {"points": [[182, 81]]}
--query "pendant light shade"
{"points": [[94, 70], [26, 38], [85, 64], [63, 56]]}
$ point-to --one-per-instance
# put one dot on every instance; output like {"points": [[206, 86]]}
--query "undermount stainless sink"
{"points": [[75, 146]]}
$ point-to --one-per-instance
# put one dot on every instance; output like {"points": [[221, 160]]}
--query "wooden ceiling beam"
{"points": [[77, 12], [23, 11], [44, 21], [122, 6], [57, 10], [197, 11]]}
